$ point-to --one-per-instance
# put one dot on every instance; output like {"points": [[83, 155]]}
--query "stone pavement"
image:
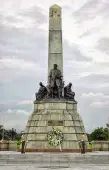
{"points": [[55, 161], [33, 167]]}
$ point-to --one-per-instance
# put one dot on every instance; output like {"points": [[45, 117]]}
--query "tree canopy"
{"points": [[10, 134], [99, 133]]}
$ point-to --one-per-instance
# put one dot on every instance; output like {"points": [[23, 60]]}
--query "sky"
{"points": [[24, 57]]}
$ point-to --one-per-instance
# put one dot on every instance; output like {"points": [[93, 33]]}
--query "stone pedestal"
{"points": [[60, 114]]}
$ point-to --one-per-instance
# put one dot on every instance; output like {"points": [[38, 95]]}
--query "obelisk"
{"points": [[55, 124], [55, 53]]}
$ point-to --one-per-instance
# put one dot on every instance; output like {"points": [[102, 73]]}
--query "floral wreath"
{"points": [[55, 137]]}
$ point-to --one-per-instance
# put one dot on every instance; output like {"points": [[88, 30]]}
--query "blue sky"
{"points": [[24, 55]]}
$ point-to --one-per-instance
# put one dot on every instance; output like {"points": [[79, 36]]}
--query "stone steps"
{"points": [[53, 159]]}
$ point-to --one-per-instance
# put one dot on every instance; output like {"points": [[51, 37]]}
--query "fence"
{"points": [[8, 145], [100, 145]]}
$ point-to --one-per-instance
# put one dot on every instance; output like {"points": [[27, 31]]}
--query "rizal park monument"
{"points": [[55, 123]]}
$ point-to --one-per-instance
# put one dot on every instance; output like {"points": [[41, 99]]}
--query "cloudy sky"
{"points": [[24, 54]]}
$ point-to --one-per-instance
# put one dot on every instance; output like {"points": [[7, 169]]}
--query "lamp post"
{"points": [[108, 127]]}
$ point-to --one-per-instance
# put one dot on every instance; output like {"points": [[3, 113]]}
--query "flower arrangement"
{"points": [[55, 137]]}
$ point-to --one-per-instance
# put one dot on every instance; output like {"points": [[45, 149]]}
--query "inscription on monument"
{"points": [[55, 123]]}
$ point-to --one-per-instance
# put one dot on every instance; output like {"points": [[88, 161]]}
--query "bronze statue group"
{"points": [[55, 88]]}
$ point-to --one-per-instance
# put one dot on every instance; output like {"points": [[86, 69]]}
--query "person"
{"points": [[91, 145], [82, 146], [55, 79], [23, 143]]}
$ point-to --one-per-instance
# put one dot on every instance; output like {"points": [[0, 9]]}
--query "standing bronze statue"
{"points": [[55, 81]]}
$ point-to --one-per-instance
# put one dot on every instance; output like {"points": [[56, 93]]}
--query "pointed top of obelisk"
{"points": [[55, 6]]}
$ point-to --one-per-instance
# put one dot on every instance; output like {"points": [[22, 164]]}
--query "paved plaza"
{"points": [[47, 161]]}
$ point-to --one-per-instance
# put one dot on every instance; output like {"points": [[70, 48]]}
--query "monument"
{"points": [[55, 124]]}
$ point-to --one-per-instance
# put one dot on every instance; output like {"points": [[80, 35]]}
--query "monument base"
{"points": [[58, 114]]}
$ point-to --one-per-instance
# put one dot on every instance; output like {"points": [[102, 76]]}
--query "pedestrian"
{"points": [[82, 146], [22, 144]]}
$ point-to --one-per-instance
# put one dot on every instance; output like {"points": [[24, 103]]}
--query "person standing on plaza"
{"points": [[22, 143]]}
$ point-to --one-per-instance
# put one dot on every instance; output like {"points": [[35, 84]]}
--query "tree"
{"points": [[1, 131], [99, 134], [1, 126], [10, 134]]}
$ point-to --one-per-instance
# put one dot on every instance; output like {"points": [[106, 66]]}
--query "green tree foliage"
{"points": [[99, 134], [10, 134], [1, 131]]}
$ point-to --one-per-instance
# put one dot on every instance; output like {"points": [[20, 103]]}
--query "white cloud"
{"points": [[17, 112], [17, 64], [25, 102], [95, 96], [20, 22], [15, 118], [102, 104], [97, 100], [16, 102], [23, 51]]}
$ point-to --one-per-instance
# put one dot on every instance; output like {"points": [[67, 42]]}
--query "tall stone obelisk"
{"points": [[55, 124], [55, 54]]}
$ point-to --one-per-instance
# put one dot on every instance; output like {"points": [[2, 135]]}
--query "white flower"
{"points": [[55, 137]]}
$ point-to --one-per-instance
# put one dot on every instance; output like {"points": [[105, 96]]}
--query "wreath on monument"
{"points": [[55, 137]]}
